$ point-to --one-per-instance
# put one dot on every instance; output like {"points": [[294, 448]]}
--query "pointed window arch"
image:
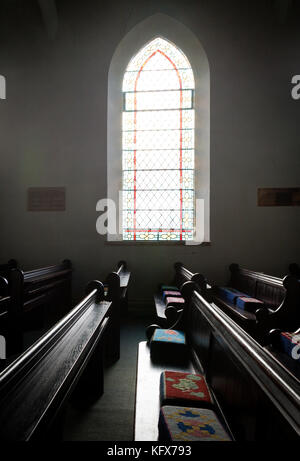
{"points": [[158, 145]]}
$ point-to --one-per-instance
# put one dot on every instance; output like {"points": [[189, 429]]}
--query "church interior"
{"points": [[149, 193]]}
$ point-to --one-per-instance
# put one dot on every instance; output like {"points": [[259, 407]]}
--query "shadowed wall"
{"points": [[53, 133]]}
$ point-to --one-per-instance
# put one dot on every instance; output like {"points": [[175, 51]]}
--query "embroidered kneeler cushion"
{"points": [[176, 302], [178, 388], [172, 293], [290, 344], [168, 345], [190, 424], [229, 294], [169, 287], [248, 304]]}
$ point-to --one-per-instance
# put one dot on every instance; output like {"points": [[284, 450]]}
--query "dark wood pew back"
{"points": [[168, 316], [183, 275], [35, 387], [4, 306], [259, 398], [265, 287], [7, 267], [117, 284], [35, 294], [5, 272], [294, 269], [281, 298]]}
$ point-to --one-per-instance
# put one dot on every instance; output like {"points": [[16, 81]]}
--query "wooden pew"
{"points": [[7, 267], [259, 398], [273, 346], [4, 330], [294, 269], [31, 295], [66, 361], [281, 298], [168, 316], [183, 275], [117, 292], [5, 272], [256, 396]]}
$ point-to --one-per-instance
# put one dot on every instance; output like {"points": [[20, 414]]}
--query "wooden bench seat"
{"points": [[160, 308], [147, 393], [258, 397], [236, 311], [182, 275]]}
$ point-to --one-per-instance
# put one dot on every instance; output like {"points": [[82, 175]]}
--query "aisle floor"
{"points": [[111, 418]]}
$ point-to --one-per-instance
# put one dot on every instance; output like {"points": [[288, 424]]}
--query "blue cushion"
{"points": [[229, 294], [168, 346], [170, 336]]}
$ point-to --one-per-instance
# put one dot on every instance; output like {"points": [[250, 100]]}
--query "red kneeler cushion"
{"points": [[178, 388], [177, 302]]}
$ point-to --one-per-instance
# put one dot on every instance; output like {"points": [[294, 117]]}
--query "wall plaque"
{"points": [[284, 196], [46, 199]]}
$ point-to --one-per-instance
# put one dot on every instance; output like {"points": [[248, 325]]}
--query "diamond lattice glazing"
{"points": [[158, 145]]}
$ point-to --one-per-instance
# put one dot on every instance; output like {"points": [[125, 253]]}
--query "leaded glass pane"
{"points": [[158, 80], [158, 179], [158, 120], [160, 219], [158, 234], [152, 159], [158, 200], [158, 139], [158, 145], [164, 46], [153, 100]]}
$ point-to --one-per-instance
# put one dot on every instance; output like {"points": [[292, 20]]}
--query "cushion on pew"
{"points": [[169, 336], [290, 344], [169, 287], [188, 389], [190, 424], [248, 304], [173, 293], [175, 301], [168, 345], [229, 294]]}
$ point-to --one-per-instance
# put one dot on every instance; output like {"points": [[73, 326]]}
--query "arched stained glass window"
{"points": [[158, 145]]}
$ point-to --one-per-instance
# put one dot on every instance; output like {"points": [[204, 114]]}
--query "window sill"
{"points": [[156, 243]]}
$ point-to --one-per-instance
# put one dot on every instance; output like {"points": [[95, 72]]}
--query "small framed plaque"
{"points": [[46, 199], [284, 196]]}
